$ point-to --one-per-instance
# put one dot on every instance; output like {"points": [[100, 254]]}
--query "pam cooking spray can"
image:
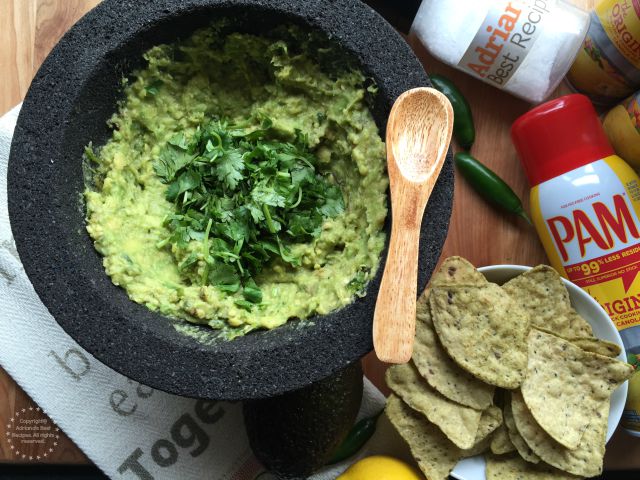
{"points": [[585, 205]]}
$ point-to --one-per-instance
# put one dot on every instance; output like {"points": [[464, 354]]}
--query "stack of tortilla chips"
{"points": [[512, 372]]}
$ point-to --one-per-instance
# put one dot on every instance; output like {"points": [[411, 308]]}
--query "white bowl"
{"points": [[474, 468]]}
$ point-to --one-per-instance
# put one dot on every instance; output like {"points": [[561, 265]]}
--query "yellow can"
{"points": [[631, 417], [607, 67], [622, 125]]}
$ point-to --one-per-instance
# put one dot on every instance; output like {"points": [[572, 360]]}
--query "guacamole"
{"points": [[289, 77]]}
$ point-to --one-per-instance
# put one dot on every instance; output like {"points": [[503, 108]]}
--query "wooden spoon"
{"points": [[418, 136]]}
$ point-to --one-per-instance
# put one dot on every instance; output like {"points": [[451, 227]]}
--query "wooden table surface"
{"points": [[30, 28]]}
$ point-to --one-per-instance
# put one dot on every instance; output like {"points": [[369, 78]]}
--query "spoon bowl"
{"points": [[415, 133], [418, 136]]}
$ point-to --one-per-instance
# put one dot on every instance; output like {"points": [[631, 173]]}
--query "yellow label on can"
{"points": [[591, 232], [607, 67], [589, 222], [621, 20]]}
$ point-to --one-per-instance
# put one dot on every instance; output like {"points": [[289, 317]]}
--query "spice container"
{"points": [[524, 47], [622, 125], [585, 203], [607, 67]]}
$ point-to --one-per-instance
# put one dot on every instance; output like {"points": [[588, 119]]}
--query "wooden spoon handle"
{"points": [[394, 321]]}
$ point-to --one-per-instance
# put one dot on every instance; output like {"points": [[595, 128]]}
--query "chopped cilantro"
{"points": [[358, 283], [90, 154], [154, 86], [246, 197]]}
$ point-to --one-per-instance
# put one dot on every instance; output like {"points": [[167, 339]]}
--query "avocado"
{"points": [[295, 434]]}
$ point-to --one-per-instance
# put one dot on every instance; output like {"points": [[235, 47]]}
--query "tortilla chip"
{"points": [[484, 331], [490, 420], [512, 467], [437, 368], [595, 345], [540, 291], [456, 271], [585, 460], [478, 449], [500, 441], [578, 326], [435, 454], [457, 422], [565, 385], [516, 438]]}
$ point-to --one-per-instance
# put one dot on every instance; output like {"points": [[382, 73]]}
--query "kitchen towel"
{"points": [[130, 431]]}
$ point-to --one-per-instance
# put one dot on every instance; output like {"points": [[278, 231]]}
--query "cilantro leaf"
{"points": [[222, 274], [179, 140], [244, 196], [244, 304], [358, 283], [188, 180], [169, 162], [333, 202], [154, 87], [251, 292], [264, 194], [229, 168]]}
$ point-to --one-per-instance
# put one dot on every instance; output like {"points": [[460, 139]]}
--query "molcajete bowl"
{"points": [[74, 93]]}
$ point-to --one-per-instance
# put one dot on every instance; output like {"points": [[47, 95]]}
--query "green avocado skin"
{"points": [[296, 433]]}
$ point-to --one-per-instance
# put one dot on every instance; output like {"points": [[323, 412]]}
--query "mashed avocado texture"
{"points": [[288, 78]]}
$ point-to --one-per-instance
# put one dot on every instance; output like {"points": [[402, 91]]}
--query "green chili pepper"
{"points": [[489, 185], [463, 128], [356, 438]]}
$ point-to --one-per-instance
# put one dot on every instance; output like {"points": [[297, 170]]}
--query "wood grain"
{"points": [[53, 19], [17, 31], [484, 235], [418, 135], [30, 28]]}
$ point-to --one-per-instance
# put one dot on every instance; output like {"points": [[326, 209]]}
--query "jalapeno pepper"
{"points": [[489, 185], [357, 437], [463, 128]]}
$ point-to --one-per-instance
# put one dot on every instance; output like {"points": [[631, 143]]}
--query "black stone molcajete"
{"points": [[72, 96], [296, 433]]}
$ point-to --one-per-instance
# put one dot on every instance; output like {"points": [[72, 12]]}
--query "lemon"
{"points": [[379, 467]]}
